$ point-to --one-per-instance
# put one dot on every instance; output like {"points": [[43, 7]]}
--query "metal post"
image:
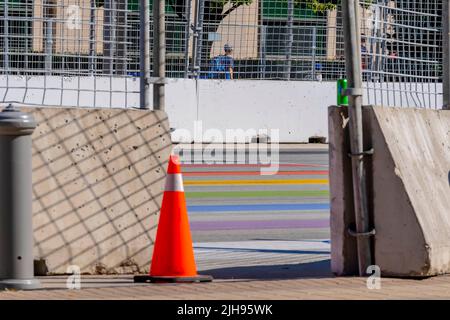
{"points": [[48, 46], [351, 19], [263, 49], [92, 41], [313, 49], [107, 37], [144, 53], [6, 36], [121, 36], [446, 53], [16, 231], [198, 37], [290, 38], [186, 37], [159, 54]]}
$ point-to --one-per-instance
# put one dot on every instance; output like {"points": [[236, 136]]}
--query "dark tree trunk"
{"points": [[207, 44], [213, 16]]}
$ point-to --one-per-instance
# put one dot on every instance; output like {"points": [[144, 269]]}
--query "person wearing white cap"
{"points": [[229, 61], [222, 66]]}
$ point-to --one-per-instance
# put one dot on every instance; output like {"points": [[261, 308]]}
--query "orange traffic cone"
{"points": [[173, 256]]}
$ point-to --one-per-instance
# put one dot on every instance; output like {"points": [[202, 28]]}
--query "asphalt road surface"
{"points": [[233, 202]]}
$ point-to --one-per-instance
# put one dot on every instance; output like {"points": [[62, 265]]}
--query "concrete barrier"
{"points": [[409, 190], [98, 178], [297, 108]]}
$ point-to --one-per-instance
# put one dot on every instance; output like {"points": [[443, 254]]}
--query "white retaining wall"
{"points": [[298, 109]]}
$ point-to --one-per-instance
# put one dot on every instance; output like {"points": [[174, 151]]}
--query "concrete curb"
{"points": [[282, 149]]}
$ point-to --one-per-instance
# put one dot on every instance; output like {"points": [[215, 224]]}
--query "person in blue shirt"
{"points": [[222, 66]]}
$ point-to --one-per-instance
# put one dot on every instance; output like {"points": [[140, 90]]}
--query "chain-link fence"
{"points": [[101, 37], [272, 39], [80, 52], [71, 52], [401, 47]]}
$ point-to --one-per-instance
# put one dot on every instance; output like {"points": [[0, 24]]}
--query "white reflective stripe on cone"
{"points": [[174, 182]]}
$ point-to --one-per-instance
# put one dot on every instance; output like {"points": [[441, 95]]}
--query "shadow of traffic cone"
{"points": [[173, 256]]}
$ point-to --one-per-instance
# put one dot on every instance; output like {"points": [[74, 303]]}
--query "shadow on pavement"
{"points": [[320, 269]]}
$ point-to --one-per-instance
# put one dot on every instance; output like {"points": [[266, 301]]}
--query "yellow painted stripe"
{"points": [[254, 182]]}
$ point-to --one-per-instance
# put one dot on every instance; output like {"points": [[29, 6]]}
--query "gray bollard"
{"points": [[16, 231]]}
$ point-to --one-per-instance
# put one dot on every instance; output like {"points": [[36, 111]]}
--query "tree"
{"points": [[215, 8]]}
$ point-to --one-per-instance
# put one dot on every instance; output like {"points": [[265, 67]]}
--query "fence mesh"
{"points": [[71, 52], [86, 52], [401, 48], [273, 39]]}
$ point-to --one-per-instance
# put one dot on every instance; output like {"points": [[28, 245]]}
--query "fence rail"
{"points": [[88, 49], [401, 48]]}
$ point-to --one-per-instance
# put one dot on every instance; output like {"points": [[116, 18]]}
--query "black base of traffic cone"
{"points": [[152, 279]]}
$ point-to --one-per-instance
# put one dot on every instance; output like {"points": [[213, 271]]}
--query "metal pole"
{"points": [[48, 46], [290, 38], [446, 53], [159, 54], [6, 37], [261, 40], [186, 37], [121, 36], [198, 37], [314, 47], [262, 44], [144, 53], [16, 229], [351, 19], [107, 37], [92, 38]]}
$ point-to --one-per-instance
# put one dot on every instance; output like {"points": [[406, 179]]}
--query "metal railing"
{"points": [[79, 52], [401, 47], [71, 52], [93, 37]]}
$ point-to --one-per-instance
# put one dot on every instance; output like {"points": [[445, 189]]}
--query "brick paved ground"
{"points": [[113, 287], [248, 270]]}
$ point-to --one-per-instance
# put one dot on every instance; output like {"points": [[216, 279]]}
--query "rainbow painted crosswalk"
{"points": [[226, 201]]}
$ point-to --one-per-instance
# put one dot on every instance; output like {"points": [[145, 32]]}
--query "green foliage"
{"points": [[319, 5], [315, 5]]}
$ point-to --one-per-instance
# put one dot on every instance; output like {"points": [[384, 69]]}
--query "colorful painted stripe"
{"points": [[257, 194], [259, 207], [259, 224], [246, 165], [256, 173], [256, 182]]}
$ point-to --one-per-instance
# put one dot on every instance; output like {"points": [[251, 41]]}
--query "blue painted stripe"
{"points": [[261, 207]]}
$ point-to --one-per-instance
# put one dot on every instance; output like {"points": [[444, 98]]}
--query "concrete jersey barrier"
{"points": [[409, 182], [98, 179]]}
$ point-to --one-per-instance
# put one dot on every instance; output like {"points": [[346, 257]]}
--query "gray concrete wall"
{"points": [[412, 190], [343, 247], [98, 179], [409, 188]]}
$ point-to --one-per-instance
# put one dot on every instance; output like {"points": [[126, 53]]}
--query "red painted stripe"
{"points": [[235, 165], [256, 173]]}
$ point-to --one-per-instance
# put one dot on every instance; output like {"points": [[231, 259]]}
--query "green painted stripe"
{"points": [[257, 194]]}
